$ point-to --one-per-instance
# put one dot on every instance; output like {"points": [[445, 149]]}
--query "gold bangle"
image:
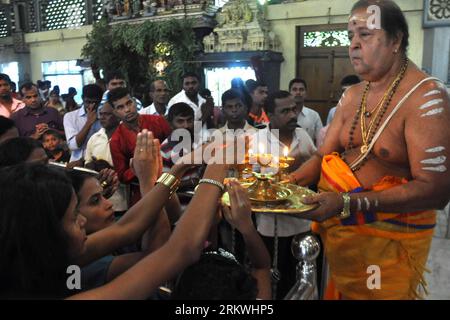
{"points": [[169, 181], [345, 213]]}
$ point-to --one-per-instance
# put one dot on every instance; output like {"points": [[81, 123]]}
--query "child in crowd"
{"points": [[55, 146]]}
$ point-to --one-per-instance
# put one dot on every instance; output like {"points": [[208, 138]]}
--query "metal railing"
{"points": [[306, 250]]}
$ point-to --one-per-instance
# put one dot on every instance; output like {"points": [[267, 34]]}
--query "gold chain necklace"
{"points": [[368, 131]]}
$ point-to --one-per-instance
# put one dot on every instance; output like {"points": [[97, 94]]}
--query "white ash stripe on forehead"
{"points": [[433, 112], [435, 149], [436, 169], [437, 160], [431, 103], [432, 93]]}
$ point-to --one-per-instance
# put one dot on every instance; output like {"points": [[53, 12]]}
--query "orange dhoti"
{"points": [[356, 248]]}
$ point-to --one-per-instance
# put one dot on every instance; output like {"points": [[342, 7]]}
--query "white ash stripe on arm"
{"points": [[432, 93], [367, 203], [437, 160], [436, 169], [433, 112], [431, 103], [435, 149], [358, 209]]}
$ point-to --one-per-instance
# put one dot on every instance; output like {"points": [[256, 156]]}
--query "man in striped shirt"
{"points": [[181, 121]]}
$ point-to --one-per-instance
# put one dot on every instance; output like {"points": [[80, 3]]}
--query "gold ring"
{"points": [[104, 184]]}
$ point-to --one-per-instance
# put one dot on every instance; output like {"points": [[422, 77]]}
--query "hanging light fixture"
{"points": [[160, 66]]}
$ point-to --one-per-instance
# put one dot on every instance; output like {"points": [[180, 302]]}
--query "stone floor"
{"points": [[442, 229], [439, 265]]}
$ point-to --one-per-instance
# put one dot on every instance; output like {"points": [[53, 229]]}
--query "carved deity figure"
{"points": [[248, 14], [234, 13], [226, 16], [136, 6], [126, 7], [119, 7]]}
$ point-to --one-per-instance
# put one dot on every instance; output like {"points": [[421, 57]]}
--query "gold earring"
{"points": [[396, 51]]}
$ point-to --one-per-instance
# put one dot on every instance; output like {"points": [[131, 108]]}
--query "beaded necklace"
{"points": [[368, 131]]}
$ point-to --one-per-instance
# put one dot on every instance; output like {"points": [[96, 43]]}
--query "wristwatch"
{"points": [[345, 213]]}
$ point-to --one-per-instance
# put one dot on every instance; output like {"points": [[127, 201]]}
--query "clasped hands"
{"points": [[147, 162]]}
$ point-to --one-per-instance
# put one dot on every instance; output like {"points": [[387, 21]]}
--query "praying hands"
{"points": [[147, 162]]}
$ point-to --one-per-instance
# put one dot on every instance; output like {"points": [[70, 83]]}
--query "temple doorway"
{"points": [[218, 79], [323, 60]]}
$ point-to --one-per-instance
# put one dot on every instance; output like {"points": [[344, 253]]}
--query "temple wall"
{"points": [[285, 18]]}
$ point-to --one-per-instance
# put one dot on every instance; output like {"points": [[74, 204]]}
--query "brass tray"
{"points": [[291, 207], [282, 193]]}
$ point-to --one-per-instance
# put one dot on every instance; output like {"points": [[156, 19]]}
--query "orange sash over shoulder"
{"points": [[398, 244]]}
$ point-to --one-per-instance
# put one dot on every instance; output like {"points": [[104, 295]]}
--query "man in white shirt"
{"points": [[308, 119], [98, 149], [235, 108], [282, 133], [159, 92], [190, 95], [81, 124]]}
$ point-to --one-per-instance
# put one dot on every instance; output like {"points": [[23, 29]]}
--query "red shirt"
{"points": [[123, 142]]}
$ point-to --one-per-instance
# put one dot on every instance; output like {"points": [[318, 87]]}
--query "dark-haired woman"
{"points": [[42, 233]]}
